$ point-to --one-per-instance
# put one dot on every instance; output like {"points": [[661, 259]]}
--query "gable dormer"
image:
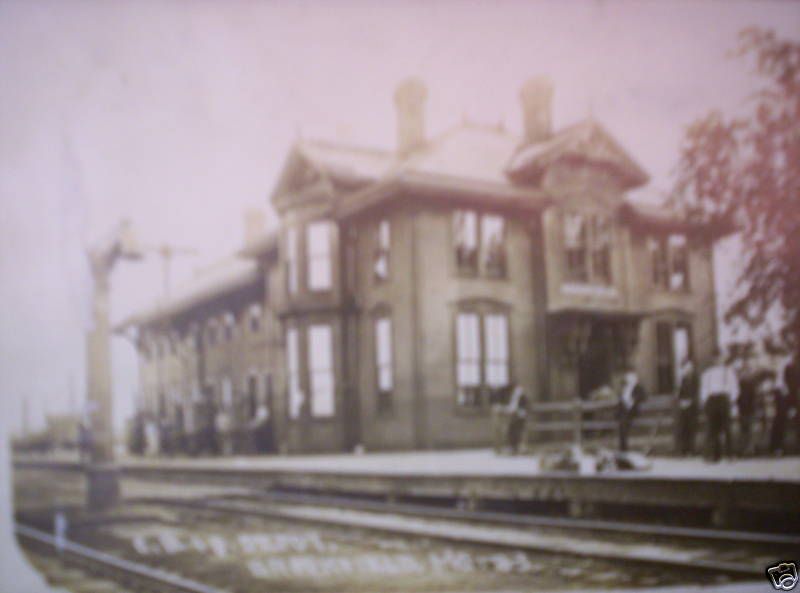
{"points": [[579, 157], [301, 182]]}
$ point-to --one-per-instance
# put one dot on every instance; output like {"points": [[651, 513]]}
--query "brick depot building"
{"points": [[401, 287]]}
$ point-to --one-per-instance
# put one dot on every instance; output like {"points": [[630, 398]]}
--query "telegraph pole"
{"points": [[102, 475]]}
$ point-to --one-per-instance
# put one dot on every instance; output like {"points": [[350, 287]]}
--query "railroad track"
{"points": [[95, 568], [699, 534], [485, 534]]}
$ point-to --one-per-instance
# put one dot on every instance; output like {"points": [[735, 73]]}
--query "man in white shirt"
{"points": [[719, 392]]}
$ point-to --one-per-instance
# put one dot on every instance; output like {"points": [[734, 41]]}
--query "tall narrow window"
{"points": [[254, 318], [496, 342], [320, 368], [575, 239], [493, 243], [229, 325], [293, 372], [382, 251], [291, 261], [226, 393], [318, 247], [679, 270], [465, 233], [468, 352], [383, 361], [252, 396], [601, 249]]}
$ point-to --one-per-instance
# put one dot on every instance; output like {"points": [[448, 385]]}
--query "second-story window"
{"points": [[382, 251], [383, 362], [493, 245], [318, 249], [575, 239], [587, 248], [479, 243], [669, 259], [229, 324], [254, 318], [211, 332], [601, 249], [291, 261], [465, 232]]}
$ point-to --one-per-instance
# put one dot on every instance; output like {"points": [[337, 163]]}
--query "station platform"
{"points": [[462, 462], [746, 493]]}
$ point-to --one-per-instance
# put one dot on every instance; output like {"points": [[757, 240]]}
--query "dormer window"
{"points": [[479, 243], [383, 242], [318, 249]]}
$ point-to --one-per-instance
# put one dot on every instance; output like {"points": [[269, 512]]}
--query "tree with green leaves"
{"points": [[745, 171]]}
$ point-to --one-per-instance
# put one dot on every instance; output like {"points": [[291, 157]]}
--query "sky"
{"points": [[179, 115]]}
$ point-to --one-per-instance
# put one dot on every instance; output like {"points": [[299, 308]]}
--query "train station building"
{"points": [[402, 287]]}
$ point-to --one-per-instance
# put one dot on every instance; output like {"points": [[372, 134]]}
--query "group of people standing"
{"points": [[743, 399], [204, 429]]}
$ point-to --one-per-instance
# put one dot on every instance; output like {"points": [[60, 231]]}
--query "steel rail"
{"points": [[530, 520], [153, 578], [225, 507]]}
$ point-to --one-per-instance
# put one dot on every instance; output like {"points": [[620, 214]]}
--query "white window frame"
{"points": [[382, 268], [321, 375], [292, 261], [295, 392], [319, 256], [384, 371]]}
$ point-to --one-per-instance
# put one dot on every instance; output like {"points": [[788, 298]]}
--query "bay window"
{"points": [[587, 248]]}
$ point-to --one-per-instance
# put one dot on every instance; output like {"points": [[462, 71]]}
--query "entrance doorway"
{"points": [[595, 361]]}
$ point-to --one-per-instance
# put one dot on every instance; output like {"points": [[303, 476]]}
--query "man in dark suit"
{"points": [[687, 409], [631, 396], [517, 411], [748, 391]]}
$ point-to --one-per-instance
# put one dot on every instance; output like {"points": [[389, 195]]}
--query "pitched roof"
{"points": [[222, 277], [587, 140]]}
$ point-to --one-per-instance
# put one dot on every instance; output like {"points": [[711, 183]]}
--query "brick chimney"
{"points": [[537, 96], [409, 100], [254, 225]]}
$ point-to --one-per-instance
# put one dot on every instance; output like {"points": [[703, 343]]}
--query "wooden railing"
{"points": [[592, 422]]}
